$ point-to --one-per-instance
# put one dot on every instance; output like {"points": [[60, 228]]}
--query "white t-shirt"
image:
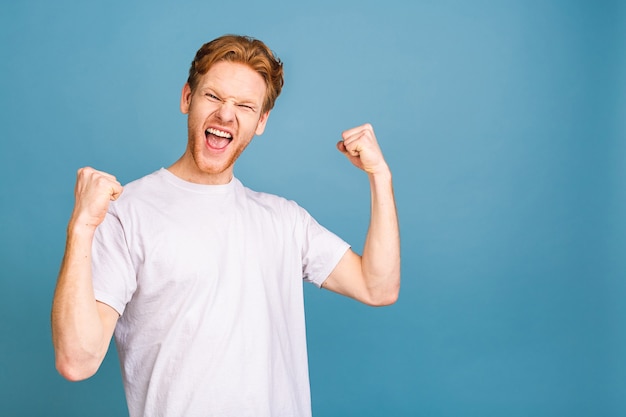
{"points": [[208, 282]]}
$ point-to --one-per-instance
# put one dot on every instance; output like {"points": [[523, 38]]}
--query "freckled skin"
{"points": [[229, 97]]}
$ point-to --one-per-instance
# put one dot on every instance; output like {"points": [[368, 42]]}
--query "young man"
{"points": [[199, 277]]}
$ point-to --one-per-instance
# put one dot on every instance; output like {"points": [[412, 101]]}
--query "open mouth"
{"points": [[217, 139]]}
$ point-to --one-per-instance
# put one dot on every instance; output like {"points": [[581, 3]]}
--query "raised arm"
{"points": [[81, 326], [374, 277]]}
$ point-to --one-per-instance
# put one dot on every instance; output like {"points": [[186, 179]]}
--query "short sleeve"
{"points": [[114, 277], [321, 251]]}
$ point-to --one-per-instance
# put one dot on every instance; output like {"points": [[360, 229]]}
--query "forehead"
{"points": [[233, 80]]}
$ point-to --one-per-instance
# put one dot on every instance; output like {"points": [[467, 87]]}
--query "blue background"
{"points": [[504, 125]]}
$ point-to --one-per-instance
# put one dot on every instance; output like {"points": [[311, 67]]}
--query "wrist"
{"points": [[79, 227], [383, 174]]}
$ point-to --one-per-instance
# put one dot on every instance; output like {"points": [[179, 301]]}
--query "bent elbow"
{"points": [[73, 371], [384, 298]]}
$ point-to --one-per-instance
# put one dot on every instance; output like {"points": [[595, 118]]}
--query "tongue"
{"points": [[217, 142]]}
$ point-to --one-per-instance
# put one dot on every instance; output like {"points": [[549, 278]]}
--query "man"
{"points": [[199, 277]]}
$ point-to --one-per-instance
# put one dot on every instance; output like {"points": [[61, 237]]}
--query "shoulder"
{"points": [[137, 190], [266, 199], [143, 183], [272, 203]]}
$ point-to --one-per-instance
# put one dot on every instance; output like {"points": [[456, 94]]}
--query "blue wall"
{"points": [[503, 122]]}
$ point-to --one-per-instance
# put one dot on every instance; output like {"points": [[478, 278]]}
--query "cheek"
{"points": [[253, 126], [195, 121], [195, 134]]}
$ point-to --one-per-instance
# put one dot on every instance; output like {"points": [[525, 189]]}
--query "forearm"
{"points": [[381, 252], [374, 277], [77, 330]]}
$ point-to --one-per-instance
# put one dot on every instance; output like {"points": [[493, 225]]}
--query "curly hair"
{"points": [[245, 50]]}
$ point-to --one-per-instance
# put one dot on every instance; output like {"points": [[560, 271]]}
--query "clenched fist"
{"points": [[93, 192], [360, 146]]}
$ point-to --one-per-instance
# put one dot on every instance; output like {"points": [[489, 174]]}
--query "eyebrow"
{"points": [[244, 101]]}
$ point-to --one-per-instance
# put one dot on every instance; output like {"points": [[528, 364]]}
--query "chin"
{"points": [[212, 167]]}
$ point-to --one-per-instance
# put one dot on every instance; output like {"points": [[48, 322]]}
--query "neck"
{"points": [[186, 169]]}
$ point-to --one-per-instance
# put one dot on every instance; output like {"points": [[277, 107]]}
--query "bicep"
{"points": [[108, 318], [347, 277]]}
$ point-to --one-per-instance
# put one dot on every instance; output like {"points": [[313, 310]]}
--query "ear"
{"points": [[260, 127], [185, 99]]}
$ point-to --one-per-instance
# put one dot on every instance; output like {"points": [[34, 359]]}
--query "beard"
{"points": [[211, 161]]}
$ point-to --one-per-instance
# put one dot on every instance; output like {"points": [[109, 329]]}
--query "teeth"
{"points": [[219, 133]]}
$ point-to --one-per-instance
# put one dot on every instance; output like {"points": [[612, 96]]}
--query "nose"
{"points": [[226, 111]]}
